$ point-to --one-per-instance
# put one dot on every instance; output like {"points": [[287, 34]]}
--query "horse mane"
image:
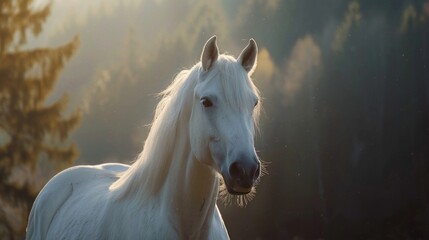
{"points": [[147, 173], [160, 137]]}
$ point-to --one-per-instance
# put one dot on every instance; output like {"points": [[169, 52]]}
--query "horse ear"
{"points": [[210, 53], [248, 56]]}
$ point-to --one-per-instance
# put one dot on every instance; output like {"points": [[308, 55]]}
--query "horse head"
{"points": [[224, 113]]}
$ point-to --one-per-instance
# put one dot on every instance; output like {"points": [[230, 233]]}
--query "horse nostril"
{"points": [[235, 170], [240, 171]]}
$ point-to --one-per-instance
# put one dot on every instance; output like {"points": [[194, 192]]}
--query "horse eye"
{"points": [[256, 103], [206, 102]]}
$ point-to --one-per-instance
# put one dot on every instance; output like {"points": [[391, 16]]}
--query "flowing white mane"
{"points": [[175, 103]]}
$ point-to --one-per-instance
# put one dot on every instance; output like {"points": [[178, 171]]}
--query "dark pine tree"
{"points": [[30, 129]]}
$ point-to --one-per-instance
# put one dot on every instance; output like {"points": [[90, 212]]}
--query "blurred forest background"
{"points": [[346, 96]]}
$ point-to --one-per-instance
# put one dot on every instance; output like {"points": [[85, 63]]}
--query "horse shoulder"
{"points": [[59, 190]]}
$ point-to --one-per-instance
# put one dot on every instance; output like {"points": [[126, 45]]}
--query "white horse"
{"points": [[204, 126]]}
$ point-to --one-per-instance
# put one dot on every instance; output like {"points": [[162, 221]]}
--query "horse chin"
{"points": [[233, 192], [237, 190]]}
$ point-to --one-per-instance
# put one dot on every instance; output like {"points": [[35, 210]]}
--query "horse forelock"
{"points": [[237, 85]]}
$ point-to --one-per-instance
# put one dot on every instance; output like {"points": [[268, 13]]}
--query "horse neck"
{"points": [[190, 191], [169, 173], [185, 188]]}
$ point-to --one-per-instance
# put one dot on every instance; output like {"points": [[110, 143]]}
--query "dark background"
{"points": [[345, 126]]}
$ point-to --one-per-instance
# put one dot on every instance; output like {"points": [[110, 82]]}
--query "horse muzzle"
{"points": [[241, 175]]}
